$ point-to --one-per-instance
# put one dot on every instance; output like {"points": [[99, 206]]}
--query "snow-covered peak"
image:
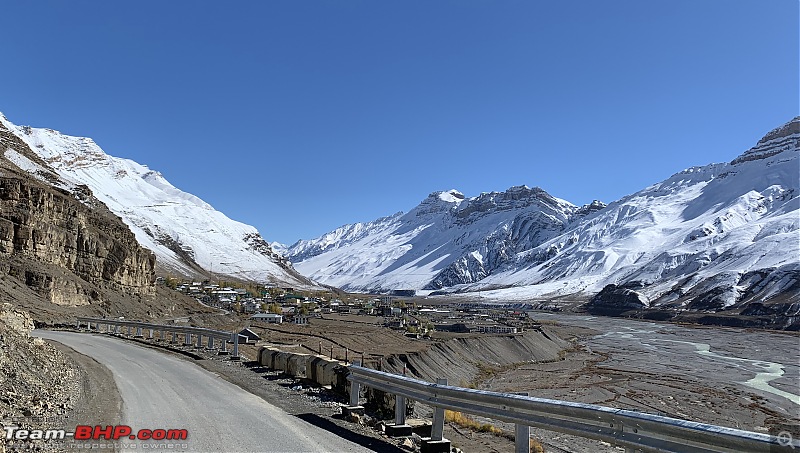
{"points": [[188, 235], [451, 196], [340, 237], [442, 236], [710, 237]]}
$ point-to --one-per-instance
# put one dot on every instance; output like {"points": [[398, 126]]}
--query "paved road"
{"points": [[161, 391]]}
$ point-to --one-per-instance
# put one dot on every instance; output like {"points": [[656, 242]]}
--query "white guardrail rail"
{"points": [[634, 431], [199, 333]]}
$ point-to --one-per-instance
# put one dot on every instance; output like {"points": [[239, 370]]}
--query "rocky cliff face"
{"points": [[57, 239], [189, 237]]}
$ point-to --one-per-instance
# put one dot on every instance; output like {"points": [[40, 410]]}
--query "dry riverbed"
{"points": [[739, 378]]}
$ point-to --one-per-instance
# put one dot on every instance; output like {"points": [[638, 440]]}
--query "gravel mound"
{"points": [[39, 385]]}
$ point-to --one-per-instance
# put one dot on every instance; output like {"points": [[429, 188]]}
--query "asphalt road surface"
{"points": [[162, 391]]}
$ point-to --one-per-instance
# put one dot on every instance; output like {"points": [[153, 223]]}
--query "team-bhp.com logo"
{"points": [[86, 432]]}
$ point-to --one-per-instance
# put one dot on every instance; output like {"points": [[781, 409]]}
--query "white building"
{"points": [[497, 329], [269, 318]]}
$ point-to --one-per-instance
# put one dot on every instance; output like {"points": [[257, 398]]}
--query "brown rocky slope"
{"points": [[62, 254]]}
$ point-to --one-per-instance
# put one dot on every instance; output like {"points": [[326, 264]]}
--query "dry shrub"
{"points": [[465, 421]]}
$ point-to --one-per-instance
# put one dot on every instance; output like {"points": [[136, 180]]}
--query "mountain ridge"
{"points": [[713, 237], [480, 221], [189, 237]]}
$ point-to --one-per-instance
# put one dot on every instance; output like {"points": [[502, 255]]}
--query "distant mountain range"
{"points": [[189, 237], [715, 237], [719, 237]]}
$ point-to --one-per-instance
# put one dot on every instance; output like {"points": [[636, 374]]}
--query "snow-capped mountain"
{"points": [[188, 236], [711, 237], [446, 240], [707, 238]]}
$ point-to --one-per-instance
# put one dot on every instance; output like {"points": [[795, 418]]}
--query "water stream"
{"points": [[716, 353], [760, 381]]}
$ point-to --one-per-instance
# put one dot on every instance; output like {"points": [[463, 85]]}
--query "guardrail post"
{"points": [[139, 332], [437, 430], [210, 342], [199, 341], [116, 329], [151, 335], [78, 325], [224, 350], [522, 435], [353, 410], [399, 428], [187, 338], [355, 388], [436, 443], [130, 329], [174, 335], [399, 410], [235, 338]]}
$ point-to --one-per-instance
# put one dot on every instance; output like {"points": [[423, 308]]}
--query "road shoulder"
{"points": [[99, 402]]}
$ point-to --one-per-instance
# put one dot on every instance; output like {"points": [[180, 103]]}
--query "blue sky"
{"points": [[298, 117]]}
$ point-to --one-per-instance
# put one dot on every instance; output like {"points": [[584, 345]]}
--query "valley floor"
{"points": [[746, 379], [741, 378]]}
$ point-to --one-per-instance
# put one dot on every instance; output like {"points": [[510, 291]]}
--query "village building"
{"points": [[269, 318]]}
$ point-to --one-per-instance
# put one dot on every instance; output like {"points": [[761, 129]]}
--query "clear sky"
{"points": [[301, 116]]}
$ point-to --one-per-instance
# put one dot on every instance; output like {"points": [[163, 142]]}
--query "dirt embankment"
{"points": [[467, 360], [48, 386], [462, 359]]}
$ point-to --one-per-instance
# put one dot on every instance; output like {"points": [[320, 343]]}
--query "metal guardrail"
{"points": [[199, 332], [634, 431]]}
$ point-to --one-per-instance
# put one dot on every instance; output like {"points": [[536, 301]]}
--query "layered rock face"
{"points": [[47, 224]]}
